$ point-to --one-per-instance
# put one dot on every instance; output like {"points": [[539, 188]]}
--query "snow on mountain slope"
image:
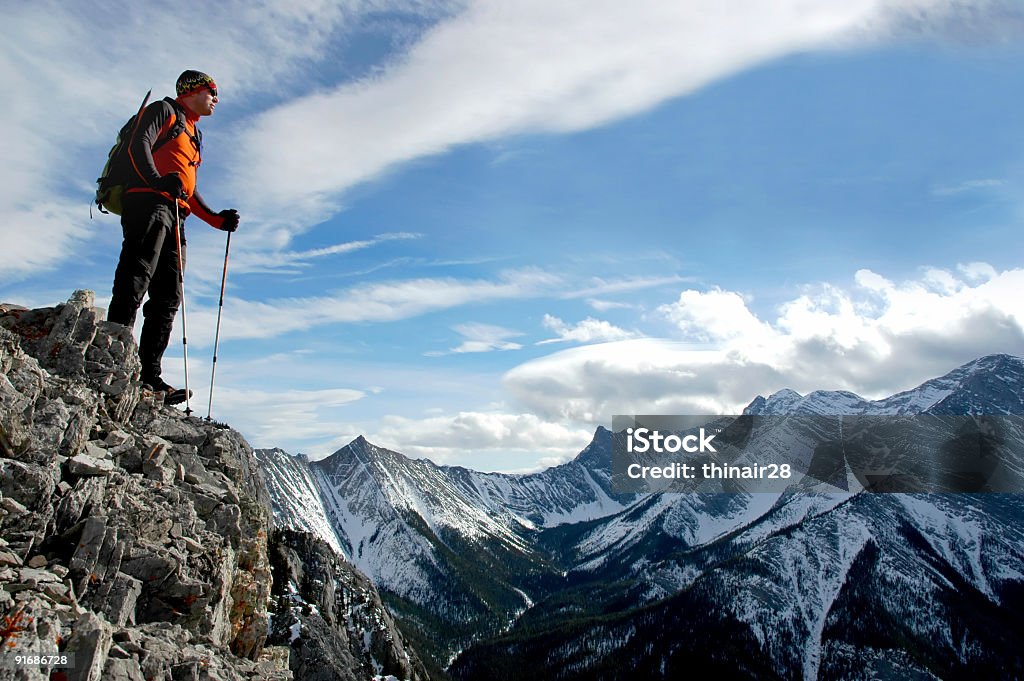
{"points": [[296, 499], [993, 384], [475, 551], [566, 494], [820, 586]]}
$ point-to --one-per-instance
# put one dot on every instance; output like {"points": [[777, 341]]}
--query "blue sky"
{"points": [[476, 231]]}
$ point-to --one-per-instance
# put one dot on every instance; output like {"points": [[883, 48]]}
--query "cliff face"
{"points": [[332, 617], [130, 535]]}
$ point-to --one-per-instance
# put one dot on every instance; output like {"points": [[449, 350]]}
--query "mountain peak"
{"points": [[995, 362], [989, 384], [360, 448]]}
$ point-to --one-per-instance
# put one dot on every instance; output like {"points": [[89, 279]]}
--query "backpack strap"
{"points": [[178, 127]]}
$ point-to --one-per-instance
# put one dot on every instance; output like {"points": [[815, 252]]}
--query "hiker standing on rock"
{"points": [[165, 151]]}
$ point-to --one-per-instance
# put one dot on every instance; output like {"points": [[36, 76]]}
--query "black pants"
{"points": [[149, 263]]}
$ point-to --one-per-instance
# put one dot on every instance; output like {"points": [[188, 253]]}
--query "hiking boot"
{"points": [[157, 385]]}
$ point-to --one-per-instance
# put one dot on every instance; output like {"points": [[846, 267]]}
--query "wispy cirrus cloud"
{"points": [[483, 338], [390, 301], [471, 71], [386, 301], [968, 186], [287, 261], [272, 417], [99, 62], [513, 66], [604, 305], [598, 286]]}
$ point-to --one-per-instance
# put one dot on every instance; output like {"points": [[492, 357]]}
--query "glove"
{"points": [[230, 220], [170, 184]]}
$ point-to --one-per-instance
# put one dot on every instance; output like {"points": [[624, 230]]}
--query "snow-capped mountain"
{"points": [[556, 570], [866, 586], [451, 545], [993, 384]]}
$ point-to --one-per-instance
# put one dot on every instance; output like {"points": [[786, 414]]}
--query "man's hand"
{"points": [[170, 184], [230, 220]]}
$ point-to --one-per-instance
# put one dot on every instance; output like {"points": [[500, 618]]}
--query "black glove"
{"points": [[230, 217], [170, 184]]}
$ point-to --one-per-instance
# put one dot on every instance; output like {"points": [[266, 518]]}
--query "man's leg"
{"points": [[162, 307], [145, 231]]}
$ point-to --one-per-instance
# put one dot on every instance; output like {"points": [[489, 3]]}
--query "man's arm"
{"points": [[226, 220], [140, 151]]}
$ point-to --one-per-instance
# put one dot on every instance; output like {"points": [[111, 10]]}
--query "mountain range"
{"points": [[561, 575]]}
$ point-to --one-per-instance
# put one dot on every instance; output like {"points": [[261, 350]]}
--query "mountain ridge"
{"points": [[541, 561]]}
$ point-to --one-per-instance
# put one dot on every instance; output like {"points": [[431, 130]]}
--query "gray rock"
{"points": [[59, 593], [86, 465], [346, 630], [12, 506], [36, 576], [151, 569], [163, 474], [136, 518], [27, 483], [87, 551], [117, 438], [90, 641], [122, 669], [86, 494], [118, 597]]}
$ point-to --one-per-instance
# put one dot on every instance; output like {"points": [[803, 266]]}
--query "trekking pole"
{"points": [[184, 325], [216, 336]]}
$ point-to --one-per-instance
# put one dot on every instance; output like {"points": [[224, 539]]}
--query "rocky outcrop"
{"points": [[332, 617], [130, 535]]}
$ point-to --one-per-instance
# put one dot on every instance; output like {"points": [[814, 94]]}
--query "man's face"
{"points": [[203, 101]]}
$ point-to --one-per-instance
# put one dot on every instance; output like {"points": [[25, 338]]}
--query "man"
{"points": [[165, 168]]}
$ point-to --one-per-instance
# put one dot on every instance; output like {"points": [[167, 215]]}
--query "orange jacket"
{"points": [[181, 155]]}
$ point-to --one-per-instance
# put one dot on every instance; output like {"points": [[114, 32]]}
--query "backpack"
{"points": [[118, 171]]}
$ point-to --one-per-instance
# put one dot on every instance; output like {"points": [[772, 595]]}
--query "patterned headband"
{"points": [[191, 81]]}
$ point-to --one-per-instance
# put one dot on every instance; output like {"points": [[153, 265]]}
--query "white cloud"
{"points": [[386, 302], [874, 337], [603, 287], [977, 271], [715, 316], [80, 72], [269, 419], [875, 340], [379, 302], [605, 305], [290, 261], [485, 338], [967, 186], [590, 330], [490, 70], [512, 66], [481, 439], [37, 237]]}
